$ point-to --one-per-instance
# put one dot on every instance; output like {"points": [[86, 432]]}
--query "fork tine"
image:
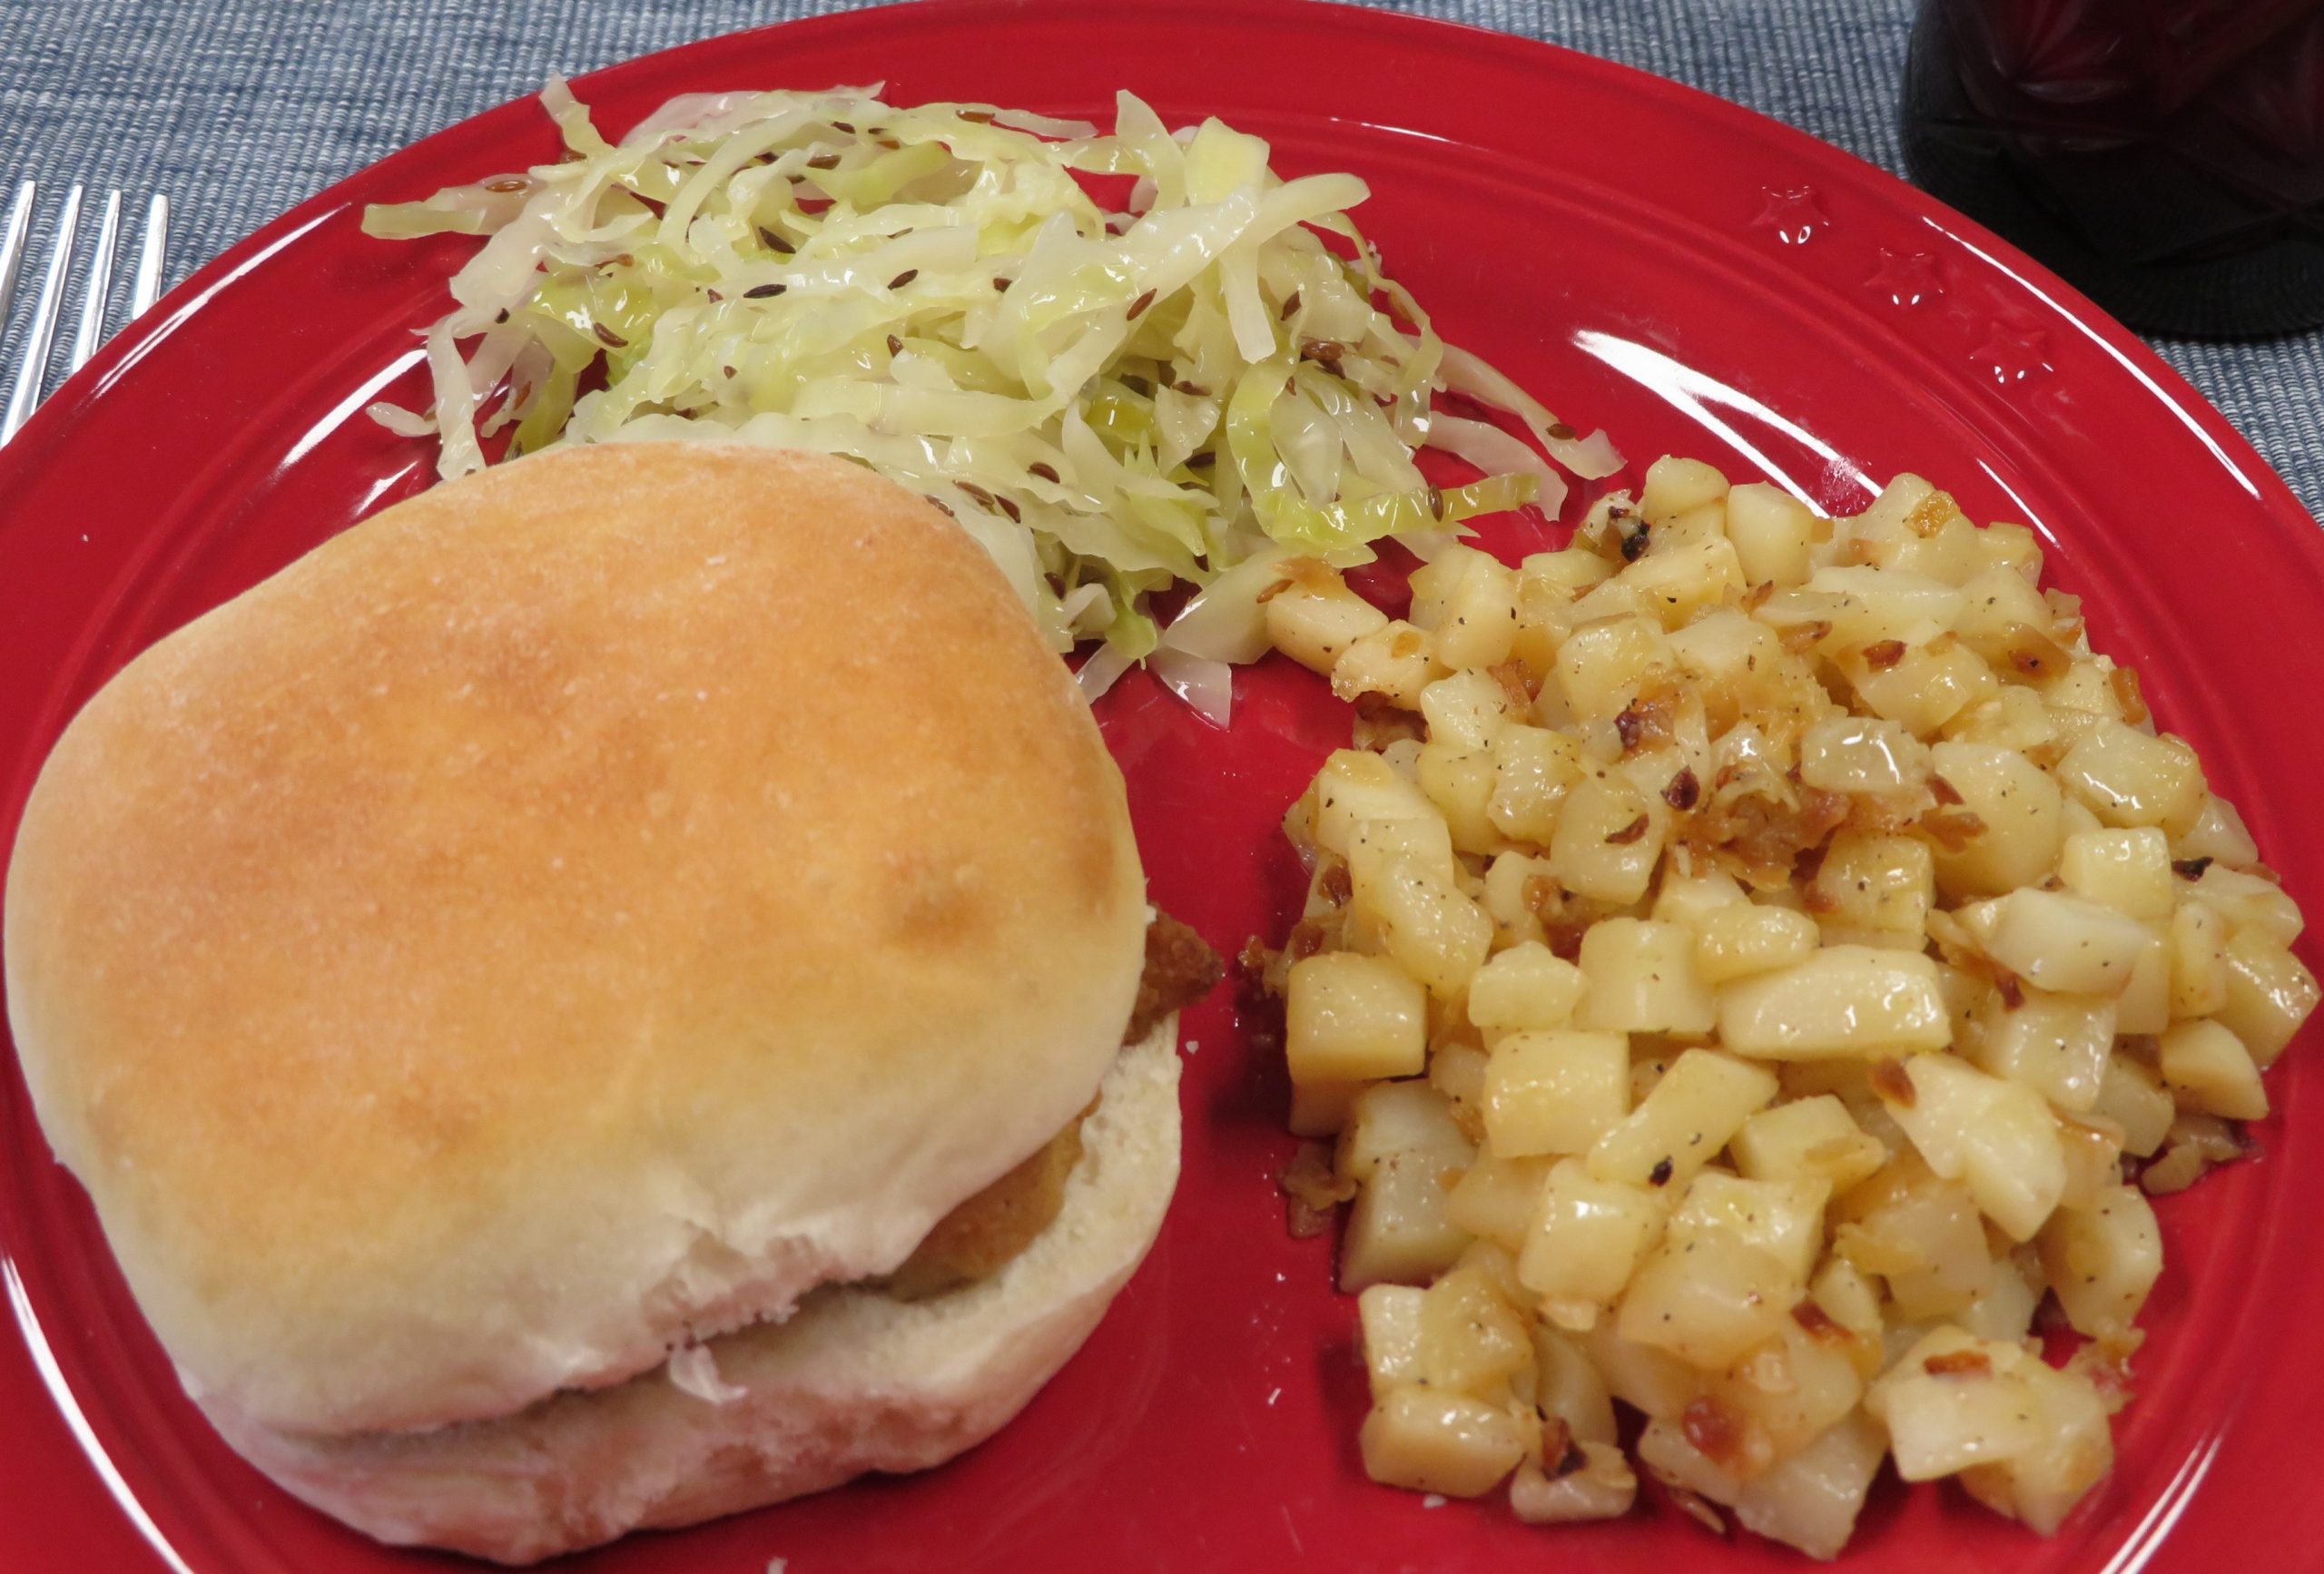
{"points": [[32, 372], [152, 256], [91, 331], [11, 246]]}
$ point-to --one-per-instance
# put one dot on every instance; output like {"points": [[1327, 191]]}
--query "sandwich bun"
{"points": [[569, 917]]}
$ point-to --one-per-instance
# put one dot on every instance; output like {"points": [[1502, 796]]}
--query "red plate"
{"points": [[1690, 276]]}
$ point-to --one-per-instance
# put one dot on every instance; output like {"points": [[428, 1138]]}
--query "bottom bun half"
{"points": [[855, 1381]]}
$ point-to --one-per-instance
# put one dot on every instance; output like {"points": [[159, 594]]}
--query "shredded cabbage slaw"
{"points": [[1188, 390]]}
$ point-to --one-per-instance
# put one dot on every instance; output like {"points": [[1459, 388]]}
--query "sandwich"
{"points": [[617, 990]]}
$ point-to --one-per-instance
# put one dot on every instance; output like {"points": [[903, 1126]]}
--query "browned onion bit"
{"points": [[1891, 1082]]}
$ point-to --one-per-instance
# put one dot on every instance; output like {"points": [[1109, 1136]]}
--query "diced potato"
{"points": [[1600, 1486], [2083, 692], [1678, 583], [1842, 1000], [2041, 1486], [2065, 944], [2127, 777], [1692, 1115], [1737, 665], [1601, 663], [1355, 785], [1509, 903], [2000, 1138], [1648, 1379], [1664, 1448], [1432, 1441], [1466, 710], [2247, 902], [1953, 1401], [1348, 1017], [1708, 1301], [2145, 1004], [1811, 1500], [1850, 1302], [1396, 1229], [1434, 933], [1496, 1198], [2128, 870], [1877, 888], [1376, 846], [2198, 961], [1999, 606], [1528, 986], [1395, 661], [1555, 1091], [1588, 1237], [1736, 942], [1389, 1119], [1771, 531], [2056, 1045], [1436, 582], [2207, 1068], [1792, 1389], [1457, 1070], [2094, 1150], [2269, 993], [1861, 754], [2012, 718], [1872, 605], [1808, 1139], [1460, 782], [1689, 899], [1608, 841], [1675, 486], [2102, 1262], [1388, 1315], [2218, 832], [2019, 806], [1927, 688], [2004, 1311], [1314, 619], [2134, 1099], [1641, 977], [1547, 585], [1475, 608], [1567, 1387], [1534, 769], [1782, 1217], [1924, 1236], [1471, 1340], [2013, 547]]}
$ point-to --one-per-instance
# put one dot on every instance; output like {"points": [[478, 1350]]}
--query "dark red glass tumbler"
{"points": [[2167, 156]]}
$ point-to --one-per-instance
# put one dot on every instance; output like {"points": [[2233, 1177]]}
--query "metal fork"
{"points": [[64, 249]]}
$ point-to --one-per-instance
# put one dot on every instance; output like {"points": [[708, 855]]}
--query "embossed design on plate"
{"points": [[1907, 278], [2013, 357], [1792, 212]]}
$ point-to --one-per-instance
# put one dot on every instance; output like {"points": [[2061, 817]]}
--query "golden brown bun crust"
{"points": [[591, 903]]}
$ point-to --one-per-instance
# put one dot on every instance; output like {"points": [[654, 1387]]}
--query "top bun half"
{"points": [[577, 910]]}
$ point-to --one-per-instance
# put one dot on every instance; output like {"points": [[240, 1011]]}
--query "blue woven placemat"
{"points": [[240, 108]]}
